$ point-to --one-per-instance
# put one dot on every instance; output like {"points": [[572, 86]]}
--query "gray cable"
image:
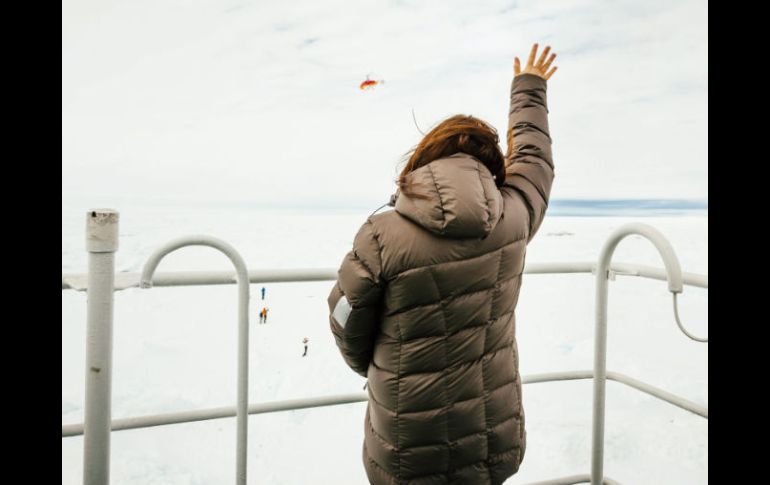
{"points": [[380, 207]]}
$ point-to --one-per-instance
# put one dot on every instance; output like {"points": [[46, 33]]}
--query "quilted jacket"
{"points": [[424, 304]]}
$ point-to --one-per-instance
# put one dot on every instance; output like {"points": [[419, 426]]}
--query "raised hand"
{"points": [[539, 68]]}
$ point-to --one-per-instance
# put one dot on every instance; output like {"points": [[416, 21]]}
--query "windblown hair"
{"points": [[458, 133]]}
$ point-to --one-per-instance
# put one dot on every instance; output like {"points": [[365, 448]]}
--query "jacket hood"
{"points": [[463, 200]]}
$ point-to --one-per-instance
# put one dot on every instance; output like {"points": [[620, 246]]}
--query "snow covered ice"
{"points": [[174, 350]]}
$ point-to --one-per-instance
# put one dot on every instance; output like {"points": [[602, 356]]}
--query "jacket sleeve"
{"points": [[356, 300], [530, 169]]}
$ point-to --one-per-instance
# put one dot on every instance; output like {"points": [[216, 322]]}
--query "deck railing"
{"points": [[101, 282]]}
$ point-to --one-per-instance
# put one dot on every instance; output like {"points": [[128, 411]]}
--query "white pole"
{"points": [[101, 244], [242, 405], [674, 276]]}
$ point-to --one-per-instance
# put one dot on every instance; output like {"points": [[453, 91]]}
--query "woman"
{"points": [[424, 302]]}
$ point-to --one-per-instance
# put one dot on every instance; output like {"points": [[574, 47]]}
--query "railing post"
{"points": [[674, 276], [101, 244], [242, 406]]}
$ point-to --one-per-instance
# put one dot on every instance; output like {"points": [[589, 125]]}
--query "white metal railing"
{"points": [[675, 286], [123, 281], [101, 244], [243, 332], [101, 235]]}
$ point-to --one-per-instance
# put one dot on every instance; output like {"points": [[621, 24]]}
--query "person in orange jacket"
{"points": [[264, 313]]}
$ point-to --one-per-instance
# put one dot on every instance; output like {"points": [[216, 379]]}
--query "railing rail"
{"points": [[123, 281], [151, 421]]}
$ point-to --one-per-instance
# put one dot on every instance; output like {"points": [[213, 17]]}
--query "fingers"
{"points": [[543, 56], [532, 54], [541, 67], [548, 64]]}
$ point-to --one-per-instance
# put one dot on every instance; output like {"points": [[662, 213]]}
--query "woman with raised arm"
{"points": [[424, 303]]}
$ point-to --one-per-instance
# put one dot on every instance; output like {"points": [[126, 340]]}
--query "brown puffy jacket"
{"points": [[424, 308]]}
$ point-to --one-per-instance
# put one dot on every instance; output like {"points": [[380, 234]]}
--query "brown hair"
{"points": [[458, 133]]}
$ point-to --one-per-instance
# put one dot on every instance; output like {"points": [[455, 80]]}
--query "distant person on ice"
{"points": [[261, 315], [264, 314], [305, 341], [263, 292], [424, 302]]}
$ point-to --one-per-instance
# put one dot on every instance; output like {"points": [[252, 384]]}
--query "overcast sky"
{"points": [[258, 102]]}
